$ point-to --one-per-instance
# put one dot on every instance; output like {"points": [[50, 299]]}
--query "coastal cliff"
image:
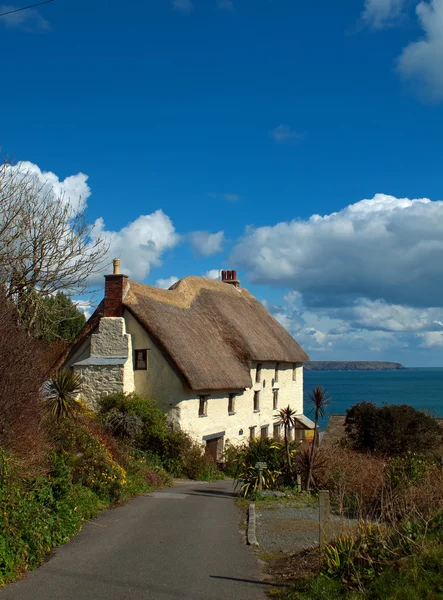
{"points": [[331, 365]]}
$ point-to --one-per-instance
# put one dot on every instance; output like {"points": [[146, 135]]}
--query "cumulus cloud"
{"points": [[379, 315], [29, 20], [421, 61], [184, 6], [382, 13], [431, 339], [166, 283], [204, 243], [283, 134], [73, 189], [140, 245], [212, 274], [385, 248]]}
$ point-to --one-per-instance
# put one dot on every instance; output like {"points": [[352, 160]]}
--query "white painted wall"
{"points": [[161, 382]]}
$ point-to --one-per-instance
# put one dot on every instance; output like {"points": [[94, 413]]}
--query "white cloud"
{"points": [[205, 244], [383, 249], [421, 61], [431, 339], [84, 306], [74, 188], [284, 134], [382, 13], [212, 274], [166, 283], [29, 20], [140, 245], [225, 4], [184, 6], [379, 315]]}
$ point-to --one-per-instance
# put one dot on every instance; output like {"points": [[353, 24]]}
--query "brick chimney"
{"points": [[230, 277], [115, 288]]}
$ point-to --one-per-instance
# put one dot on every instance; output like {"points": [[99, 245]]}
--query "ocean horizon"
{"points": [[421, 387]]}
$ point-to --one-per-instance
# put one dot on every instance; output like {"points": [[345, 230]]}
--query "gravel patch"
{"points": [[289, 529]]}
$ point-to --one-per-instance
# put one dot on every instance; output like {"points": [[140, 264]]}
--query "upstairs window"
{"points": [[277, 366], [294, 372], [141, 360], [256, 401], [274, 399], [231, 404], [258, 373], [203, 406]]}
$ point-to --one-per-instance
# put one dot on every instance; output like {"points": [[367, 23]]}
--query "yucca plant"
{"points": [[286, 418], [60, 394], [319, 400]]}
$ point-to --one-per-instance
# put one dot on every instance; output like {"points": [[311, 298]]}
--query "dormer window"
{"points": [[141, 360], [258, 373], [277, 366]]}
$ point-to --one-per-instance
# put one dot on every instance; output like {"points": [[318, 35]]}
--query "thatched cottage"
{"points": [[211, 355]]}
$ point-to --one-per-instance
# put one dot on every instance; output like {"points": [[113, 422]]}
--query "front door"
{"points": [[214, 447]]}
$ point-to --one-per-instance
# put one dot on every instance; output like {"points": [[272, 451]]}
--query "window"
{"points": [[141, 360], [256, 401], [203, 406], [231, 404], [277, 365], [274, 399], [294, 372], [264, 431], [251, 433], [277, 431], [258, 373]]}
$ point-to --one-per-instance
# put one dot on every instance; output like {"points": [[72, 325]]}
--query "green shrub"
{"points": [[391, 430], [179, 454]]}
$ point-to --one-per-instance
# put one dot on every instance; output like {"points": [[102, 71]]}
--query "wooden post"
{"points": [[260, 481], [299, 482], [324, 511]]}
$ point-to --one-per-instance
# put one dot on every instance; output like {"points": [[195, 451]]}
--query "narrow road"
{"points": [[183, 542]]}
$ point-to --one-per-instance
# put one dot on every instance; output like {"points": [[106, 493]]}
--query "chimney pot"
{"points": [[230, 277], [116, 266]]}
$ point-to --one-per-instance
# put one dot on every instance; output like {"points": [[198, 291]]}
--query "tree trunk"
{"points": [[311, 458]]}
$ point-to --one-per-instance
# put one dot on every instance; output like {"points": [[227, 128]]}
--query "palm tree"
{"points": [[286, 417], [319, 400], [61, 392]]}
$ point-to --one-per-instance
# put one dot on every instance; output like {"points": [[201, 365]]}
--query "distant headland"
{"points": [[360, 365]]}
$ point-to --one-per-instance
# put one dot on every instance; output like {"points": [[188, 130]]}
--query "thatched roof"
{"points": [[211, 331]]}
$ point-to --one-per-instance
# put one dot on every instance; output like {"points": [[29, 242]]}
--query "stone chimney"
{"points": [[230, 277], [115, 289]]}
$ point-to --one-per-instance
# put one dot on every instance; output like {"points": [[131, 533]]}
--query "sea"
{"points": [[422, 388]]}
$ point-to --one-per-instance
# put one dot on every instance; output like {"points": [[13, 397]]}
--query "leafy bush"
{"points": [[146, 428], [123, 426], [391, 430]]}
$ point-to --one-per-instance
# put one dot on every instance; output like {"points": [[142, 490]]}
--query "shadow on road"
{"points": [[213, 493], [253, 581]]}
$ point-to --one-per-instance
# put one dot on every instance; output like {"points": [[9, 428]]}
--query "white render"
{"points": [[116, 340]]}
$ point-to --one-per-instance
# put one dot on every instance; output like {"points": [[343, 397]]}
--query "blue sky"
{"points": [[210, 132]]}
